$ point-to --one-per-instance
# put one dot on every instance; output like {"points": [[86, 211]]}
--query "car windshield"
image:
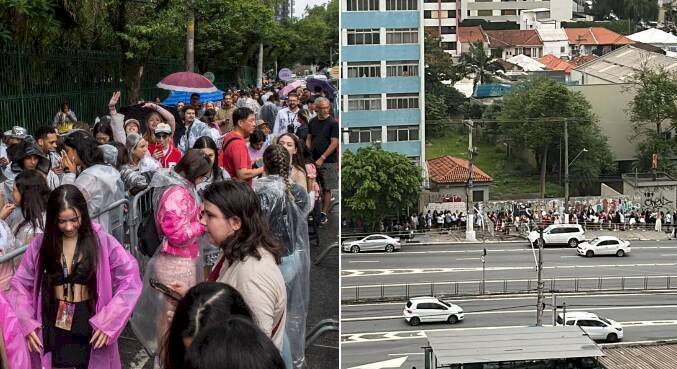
{"points": [[445, 304], [605, 321], [594, 241], [560, 320]]}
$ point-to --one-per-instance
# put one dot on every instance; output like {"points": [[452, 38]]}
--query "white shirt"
{"points": [[284, 118]]}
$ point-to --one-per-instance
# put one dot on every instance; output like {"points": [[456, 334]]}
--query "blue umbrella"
{"points": [[328, 89], [176, 96]]}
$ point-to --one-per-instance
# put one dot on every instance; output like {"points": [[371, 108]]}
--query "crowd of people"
{"points": [[226, 284]]}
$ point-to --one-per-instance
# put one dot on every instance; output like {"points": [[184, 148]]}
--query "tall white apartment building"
{"points": [[440, 17], [509, 10]]}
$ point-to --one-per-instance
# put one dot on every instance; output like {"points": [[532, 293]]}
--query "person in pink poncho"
{"points": [[12, 350], [75, 289]]}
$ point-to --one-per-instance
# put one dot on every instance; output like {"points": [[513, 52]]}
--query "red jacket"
{"points": [[172, 158]]}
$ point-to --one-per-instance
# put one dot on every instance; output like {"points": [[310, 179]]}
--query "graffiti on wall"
{"points": [[654, 198]]}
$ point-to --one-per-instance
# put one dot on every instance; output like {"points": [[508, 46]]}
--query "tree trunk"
{"points": [[132, 78], [544, 165]]}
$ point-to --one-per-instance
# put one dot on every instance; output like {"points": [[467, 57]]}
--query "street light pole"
{"points": [[541, 285], [469, 230]]}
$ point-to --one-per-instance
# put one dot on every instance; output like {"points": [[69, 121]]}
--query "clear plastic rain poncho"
{"points": [[7, 244], [288, 221], [150, 314]]}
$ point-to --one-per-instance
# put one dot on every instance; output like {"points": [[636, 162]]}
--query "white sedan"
{"points": [[374, 242], [604, 245]]}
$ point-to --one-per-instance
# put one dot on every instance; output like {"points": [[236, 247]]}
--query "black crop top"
{"points": [[78, 276]]}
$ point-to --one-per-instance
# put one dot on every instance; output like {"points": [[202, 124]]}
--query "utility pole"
{"points": [[540, 299], [566, 170], [190, 37], [484, 263], [554, 309], [564, 313], [469, 230], [259, 68]]}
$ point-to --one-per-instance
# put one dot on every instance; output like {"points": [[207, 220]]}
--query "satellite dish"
{"points": [[210, 76]]}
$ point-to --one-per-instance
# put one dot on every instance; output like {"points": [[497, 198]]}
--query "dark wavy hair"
{"points": [[34, 191], [296, 159], [206, 142], [237, 199], [203, 306], [86, 146], [49, 267], [104, 126], [193, 165], [277, 160], [235, 343]]}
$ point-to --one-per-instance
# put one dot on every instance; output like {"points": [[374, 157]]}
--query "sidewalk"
{"points": [[458, 236]]}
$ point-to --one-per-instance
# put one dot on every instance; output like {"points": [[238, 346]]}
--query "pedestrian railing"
{"points": [[506, 286]]}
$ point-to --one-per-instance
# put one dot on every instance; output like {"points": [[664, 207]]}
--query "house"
{"points": [[507, 43], [448, 176], [538, 18], [658, 38], [594, 40], [469, 35], [526, 63], [555, 42]]}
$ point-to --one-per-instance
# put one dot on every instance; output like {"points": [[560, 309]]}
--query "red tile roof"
{"points": [[513, 37], [552, 62], [467, 35], [595, 36], [449, 169]]}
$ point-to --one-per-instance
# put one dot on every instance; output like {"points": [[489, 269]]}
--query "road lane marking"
{"points": [[467, 313], [475, 258], [662, 255], [569, 256], [407, 335], [356, 273], [364, 261]]}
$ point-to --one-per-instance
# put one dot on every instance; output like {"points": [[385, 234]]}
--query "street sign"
{"points": [[285, 74], [210, 76]]}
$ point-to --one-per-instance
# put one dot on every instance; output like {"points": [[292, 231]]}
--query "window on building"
{"points": [[402, 68], [401, 36], [402, 133], [364, 135], [448, 30], [361, 5], [362, 69], [438, 14], [451, 45], [441, 1], [364, 102], [401, 5], [364, 36], [562, 49], [402, 101], [477, 196], [509, 12], [485, 13], [432, 30]]}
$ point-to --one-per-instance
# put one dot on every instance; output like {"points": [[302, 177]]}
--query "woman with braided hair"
{"points": [[286, 206]]}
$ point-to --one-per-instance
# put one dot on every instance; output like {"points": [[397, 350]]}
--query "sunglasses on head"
{"points": [[161, 135]]}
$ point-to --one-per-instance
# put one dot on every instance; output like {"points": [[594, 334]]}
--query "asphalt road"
{"points": [[419, 265], [377, 332]]}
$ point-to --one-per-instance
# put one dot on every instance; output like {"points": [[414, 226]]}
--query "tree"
{"points": [[532, 117], [377, 183], [477, 62], [637, 10]]}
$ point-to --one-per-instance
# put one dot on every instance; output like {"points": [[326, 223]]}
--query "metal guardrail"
{"points": [[473, 288]]}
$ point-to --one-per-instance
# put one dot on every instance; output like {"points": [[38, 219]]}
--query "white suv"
{"points": [[596, 327], [559, 234], [431, 309]]}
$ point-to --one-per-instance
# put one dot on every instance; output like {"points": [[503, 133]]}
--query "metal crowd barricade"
{"points": [[112, 219], [141, 207]]}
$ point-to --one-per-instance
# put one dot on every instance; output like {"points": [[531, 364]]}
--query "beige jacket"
{"points": [[261, 284]]}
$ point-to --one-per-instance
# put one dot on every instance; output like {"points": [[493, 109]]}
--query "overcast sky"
{"points": [[300, 5]]}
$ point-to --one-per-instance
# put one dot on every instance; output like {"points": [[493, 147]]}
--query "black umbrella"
{"points": [[140, 113]]}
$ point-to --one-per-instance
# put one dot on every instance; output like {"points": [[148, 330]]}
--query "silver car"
{"points": [[373, 242]]}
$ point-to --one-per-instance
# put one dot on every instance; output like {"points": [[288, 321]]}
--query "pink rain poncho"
{"points": [[118, 286], [15, 347]]}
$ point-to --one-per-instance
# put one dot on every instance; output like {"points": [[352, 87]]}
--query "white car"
{"points": [[431, 309], [604, 245], [374, 242], [559, 234], [596, 327]]}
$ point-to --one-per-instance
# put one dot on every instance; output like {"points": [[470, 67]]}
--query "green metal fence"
{"points": [[35, 82]]}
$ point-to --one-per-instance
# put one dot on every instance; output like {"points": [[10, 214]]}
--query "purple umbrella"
{"points": [[291, 87], [328, 89]]}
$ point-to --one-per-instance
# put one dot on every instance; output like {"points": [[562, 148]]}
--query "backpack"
{"points": [[148, 236]]}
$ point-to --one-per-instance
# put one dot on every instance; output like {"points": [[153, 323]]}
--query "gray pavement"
{"points": [[324, 290]]}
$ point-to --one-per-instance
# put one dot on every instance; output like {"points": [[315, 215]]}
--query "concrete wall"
{"points": [[555, 47], [609, 103], [661, 195]]}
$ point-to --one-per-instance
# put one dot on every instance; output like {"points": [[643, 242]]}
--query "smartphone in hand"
{"points": [[157, 285]]}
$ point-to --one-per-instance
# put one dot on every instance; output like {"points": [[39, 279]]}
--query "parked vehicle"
{"points": [[431, 309], [374, 242], [604, 245], [559, 234], [598, 328]]}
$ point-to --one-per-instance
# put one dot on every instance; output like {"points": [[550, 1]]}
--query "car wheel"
{"points": [[414, 321], [573, 242], [452, 319], [390, 248], [612, 337], [355, 249], [620, 253], [589, 254]]}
